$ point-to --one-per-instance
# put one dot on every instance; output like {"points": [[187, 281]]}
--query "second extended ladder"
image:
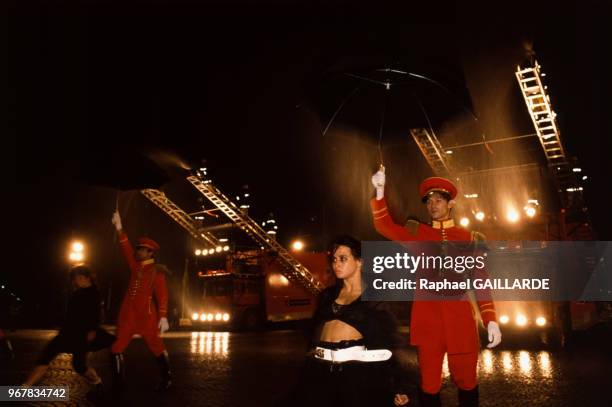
{"points": [[294, 270]]}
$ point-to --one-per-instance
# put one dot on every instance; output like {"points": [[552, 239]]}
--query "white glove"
{"points": [[117, 221], [378, 180], [163, 324], [495, 335]]}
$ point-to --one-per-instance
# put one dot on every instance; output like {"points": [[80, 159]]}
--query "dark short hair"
{"points": [[82, 270], [345, 240], [443, 194]]}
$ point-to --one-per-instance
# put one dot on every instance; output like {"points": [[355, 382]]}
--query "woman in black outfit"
{"points": [[351, 361], [80, 333]]}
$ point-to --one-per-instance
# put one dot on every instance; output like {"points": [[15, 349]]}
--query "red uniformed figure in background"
{"points": [[138, 314], [440, 327]]}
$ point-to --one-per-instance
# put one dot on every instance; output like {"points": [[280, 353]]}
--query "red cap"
{"points": [[148, 243], [437, 184]]}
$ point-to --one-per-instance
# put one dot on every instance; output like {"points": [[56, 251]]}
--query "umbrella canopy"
{"points": [[390, 99]]}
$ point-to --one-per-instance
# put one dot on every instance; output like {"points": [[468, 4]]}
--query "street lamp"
{"points": [[77, 247], [77, 253]]}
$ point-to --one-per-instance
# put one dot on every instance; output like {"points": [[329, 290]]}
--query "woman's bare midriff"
{"points": [[337, 331]]}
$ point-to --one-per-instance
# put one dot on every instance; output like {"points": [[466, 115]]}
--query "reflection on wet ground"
{"points": [[256, 368], [210, 343]]}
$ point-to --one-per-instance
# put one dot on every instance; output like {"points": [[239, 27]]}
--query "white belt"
{"points": [[357, 353]]}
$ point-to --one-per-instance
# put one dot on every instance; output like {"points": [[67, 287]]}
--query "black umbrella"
{"points": [[390, 100]]}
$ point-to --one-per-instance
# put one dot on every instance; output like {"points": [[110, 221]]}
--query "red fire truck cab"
{"points": [[250, 289]]}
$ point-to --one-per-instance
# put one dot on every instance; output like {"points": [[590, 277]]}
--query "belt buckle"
{"points": [[319, 353]]}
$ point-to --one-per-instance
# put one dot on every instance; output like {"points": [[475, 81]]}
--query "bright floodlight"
{"points": [[218, 249], [512, 215], [464, 222], [479, 216], [530, 211], [198, 252], [225, 248], [297, 245], [77, 247], [504, 319], [541, 321], [521, 320], [74, 256]]}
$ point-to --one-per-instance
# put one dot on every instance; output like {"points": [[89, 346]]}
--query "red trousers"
{"points": [[124, 336], [462, 366], [136, 319]]}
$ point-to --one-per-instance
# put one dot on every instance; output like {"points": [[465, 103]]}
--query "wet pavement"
{"points": [[256, 368]]}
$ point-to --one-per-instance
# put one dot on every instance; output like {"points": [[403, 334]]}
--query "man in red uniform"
{"points": [[138, 314], [440, 327]]}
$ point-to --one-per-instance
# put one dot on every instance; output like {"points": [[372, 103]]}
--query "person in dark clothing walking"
{"points": [[80, 333]]}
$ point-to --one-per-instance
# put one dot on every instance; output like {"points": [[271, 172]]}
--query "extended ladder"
{"points": [[432, 151], [545, 124], [293, 269], [180, 217]]}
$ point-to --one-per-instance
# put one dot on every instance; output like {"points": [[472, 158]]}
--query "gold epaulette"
{"points": [[412, 226]]}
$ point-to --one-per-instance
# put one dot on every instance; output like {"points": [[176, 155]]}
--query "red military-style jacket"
{"points": [[146, 279], [454, 320]]}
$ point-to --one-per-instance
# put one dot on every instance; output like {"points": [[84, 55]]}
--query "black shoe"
{"points": [[118, 374], [468, 398], [164, 370], [429, 400]]}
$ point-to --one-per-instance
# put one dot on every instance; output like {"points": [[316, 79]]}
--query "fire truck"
{"points": [[522, 218], [245, 288], [250, 288]]}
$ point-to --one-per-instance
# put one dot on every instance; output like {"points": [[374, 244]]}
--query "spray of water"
{"points": [[169, 160]]}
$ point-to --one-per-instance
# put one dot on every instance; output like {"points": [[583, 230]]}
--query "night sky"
{"points": [[249, 86]]}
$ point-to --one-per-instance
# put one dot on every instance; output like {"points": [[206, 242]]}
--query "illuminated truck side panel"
{"points": [[286, 300]]}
